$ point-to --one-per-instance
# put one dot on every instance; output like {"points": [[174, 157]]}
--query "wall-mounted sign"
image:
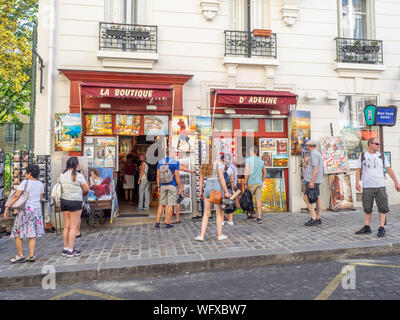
{"points": [[386, 116], [369, 114]]}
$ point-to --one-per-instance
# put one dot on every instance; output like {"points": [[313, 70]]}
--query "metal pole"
{"points": [[249, 28], [33, 91]]}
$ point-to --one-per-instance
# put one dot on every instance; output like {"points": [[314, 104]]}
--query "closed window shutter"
{"points": [[238, 15], [108, 10], [257, 14]]}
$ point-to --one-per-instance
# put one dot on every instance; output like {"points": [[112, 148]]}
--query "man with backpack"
{"points": [[370, 168], [230, 180], [169, 184]]}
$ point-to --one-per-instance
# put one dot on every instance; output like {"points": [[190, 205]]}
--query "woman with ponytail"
{"points": [[74, 187]]}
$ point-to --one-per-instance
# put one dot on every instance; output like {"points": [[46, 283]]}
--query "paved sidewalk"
{"points": [[142, 250]]}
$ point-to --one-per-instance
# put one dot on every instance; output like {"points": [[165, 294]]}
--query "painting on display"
{"points": [[334, 155], [183, 136], [83, 165], [203, 127], [341, 194], [101, 183], [274, 192], [280, 160], [68, 132], [101, 151], [274, 152], [388, 156], [156, 125], [186, 182], [127, 125], [186, 205], [98, 124], [301, 130]]}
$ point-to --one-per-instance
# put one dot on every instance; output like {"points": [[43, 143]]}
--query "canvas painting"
{"points": [[203, 127], [98, 124], [280, 160], [267, 158], [68, 132], [301, 130], [334, 155], [101, 183], [268, 145], [341, 195], [156, 125], [183, 136], [388, 156], [186, 206], [88, 152], [127, 125], [274, 195]]}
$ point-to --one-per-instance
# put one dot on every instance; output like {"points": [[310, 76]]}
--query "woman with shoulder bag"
{"points": [[29, 221], [215, 189], [74, 187]]}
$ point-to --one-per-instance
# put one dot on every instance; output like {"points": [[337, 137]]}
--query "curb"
{"points": [[192, 264]]}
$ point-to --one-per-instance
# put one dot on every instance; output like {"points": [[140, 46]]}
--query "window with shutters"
{"points": [[126, 11]]}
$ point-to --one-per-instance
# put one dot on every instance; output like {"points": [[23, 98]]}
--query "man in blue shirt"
{"points": [[254, 176], [168, 182]]}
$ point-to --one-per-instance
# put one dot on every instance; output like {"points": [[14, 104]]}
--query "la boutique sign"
{"points": [[126, 93]]}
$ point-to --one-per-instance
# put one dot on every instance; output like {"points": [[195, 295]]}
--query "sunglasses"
{"points": [[377, 144]]}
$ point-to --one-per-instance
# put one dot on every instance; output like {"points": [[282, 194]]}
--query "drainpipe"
{"points": [[51, 75]]}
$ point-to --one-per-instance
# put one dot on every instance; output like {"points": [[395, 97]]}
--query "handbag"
{"points": [[215, 196], [20, 203], [56, 192]]}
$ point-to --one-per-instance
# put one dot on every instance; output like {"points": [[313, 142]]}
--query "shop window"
{"points": [[352, 124], [223, 124], [274, 125], [355, 19], [249, 124]]}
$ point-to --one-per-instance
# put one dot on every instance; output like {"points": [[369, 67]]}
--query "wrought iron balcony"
{"points": [[359, 51], [244, 43], [127, 37]]}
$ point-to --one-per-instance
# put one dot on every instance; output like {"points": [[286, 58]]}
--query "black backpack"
{"points": [[246, 202], [151, 173], [381, 156]]}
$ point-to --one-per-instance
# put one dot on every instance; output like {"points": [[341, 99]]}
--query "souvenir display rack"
{"points": [[2, 178], [21, 160], [44, 163]]}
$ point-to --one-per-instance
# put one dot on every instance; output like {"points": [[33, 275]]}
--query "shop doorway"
{"points": [[130, 150]]}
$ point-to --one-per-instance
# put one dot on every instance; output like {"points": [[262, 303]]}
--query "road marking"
{"points": [[332, 286], [86, 293]]}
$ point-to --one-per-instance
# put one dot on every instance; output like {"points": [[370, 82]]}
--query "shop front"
{"points": [[122, 115], [260, 117]]}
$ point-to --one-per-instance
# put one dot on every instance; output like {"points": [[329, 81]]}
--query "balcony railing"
{"points": [[359, 51], [127, 37], [243, 43]]}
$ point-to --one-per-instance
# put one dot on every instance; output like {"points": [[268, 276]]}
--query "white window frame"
{"points": [[123, 11], [370, 7], [260, 18]]}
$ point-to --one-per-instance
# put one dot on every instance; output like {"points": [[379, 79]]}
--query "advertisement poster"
{"points": [[183, 135], [83, 165], [156, 125], [101, 151], [334, 155], [98, 124], [273, 193], [127, 125], [341, 195], [100, 183], [301, 130], [203, 127], [274, 152], [68, 132]]}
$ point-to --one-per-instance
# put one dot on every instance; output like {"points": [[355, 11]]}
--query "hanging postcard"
{"points": [[334, 155], [98, 124], [127, 125], [68, 132]]}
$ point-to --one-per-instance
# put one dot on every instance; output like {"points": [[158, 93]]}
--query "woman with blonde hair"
{"points": [[213, 172]]}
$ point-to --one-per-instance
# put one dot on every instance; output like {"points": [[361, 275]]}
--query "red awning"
{"points": [[255, 97], [125, 90]]}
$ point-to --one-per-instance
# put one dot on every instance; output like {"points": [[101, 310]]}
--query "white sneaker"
{"points": [[199, 238], [223, 237], [230, 223]]}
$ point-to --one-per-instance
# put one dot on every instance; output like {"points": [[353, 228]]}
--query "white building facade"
{"points": [[336, 56]]}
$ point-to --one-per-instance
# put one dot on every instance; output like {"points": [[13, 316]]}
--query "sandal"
{"points": [[18, 259], [31, 259], [176, 222]]}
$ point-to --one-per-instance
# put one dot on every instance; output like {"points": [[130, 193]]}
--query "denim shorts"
{"points": [[212, 184]]}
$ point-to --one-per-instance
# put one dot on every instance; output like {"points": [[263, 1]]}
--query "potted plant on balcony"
{"points": [[261, 33], [139, 33], [374, 47], [116, 31]]}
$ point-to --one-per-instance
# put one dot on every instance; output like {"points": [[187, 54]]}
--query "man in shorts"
{"points": [[370, 168], [313, 175], [168, 190], [254, 176]]}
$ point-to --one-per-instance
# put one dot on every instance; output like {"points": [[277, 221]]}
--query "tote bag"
{"points": [[20, 203]]}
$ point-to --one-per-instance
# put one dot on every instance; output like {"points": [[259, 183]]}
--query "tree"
{"points": [[17, 18]]}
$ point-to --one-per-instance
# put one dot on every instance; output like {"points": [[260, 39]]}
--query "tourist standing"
{"points": [[314, 175], [254, 176], [229, 176], [28, 223], [129, 178], [213, 170], [370, 168], [169, 184], [144, 185], [74, 187]]}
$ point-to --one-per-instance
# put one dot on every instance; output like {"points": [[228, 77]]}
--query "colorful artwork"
{"points": [[68, 132], [203, 127], [341, 195], [186, 206], [101, 151], [301, 130], [268, 145], [273, 197], [267, 158], [183, 136], [98, 124], [127, 125], [83, 165], [274, 152], [388, 156], [334, 155], [280, 160], [156, 125], [101, 183], [282, 147]]}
